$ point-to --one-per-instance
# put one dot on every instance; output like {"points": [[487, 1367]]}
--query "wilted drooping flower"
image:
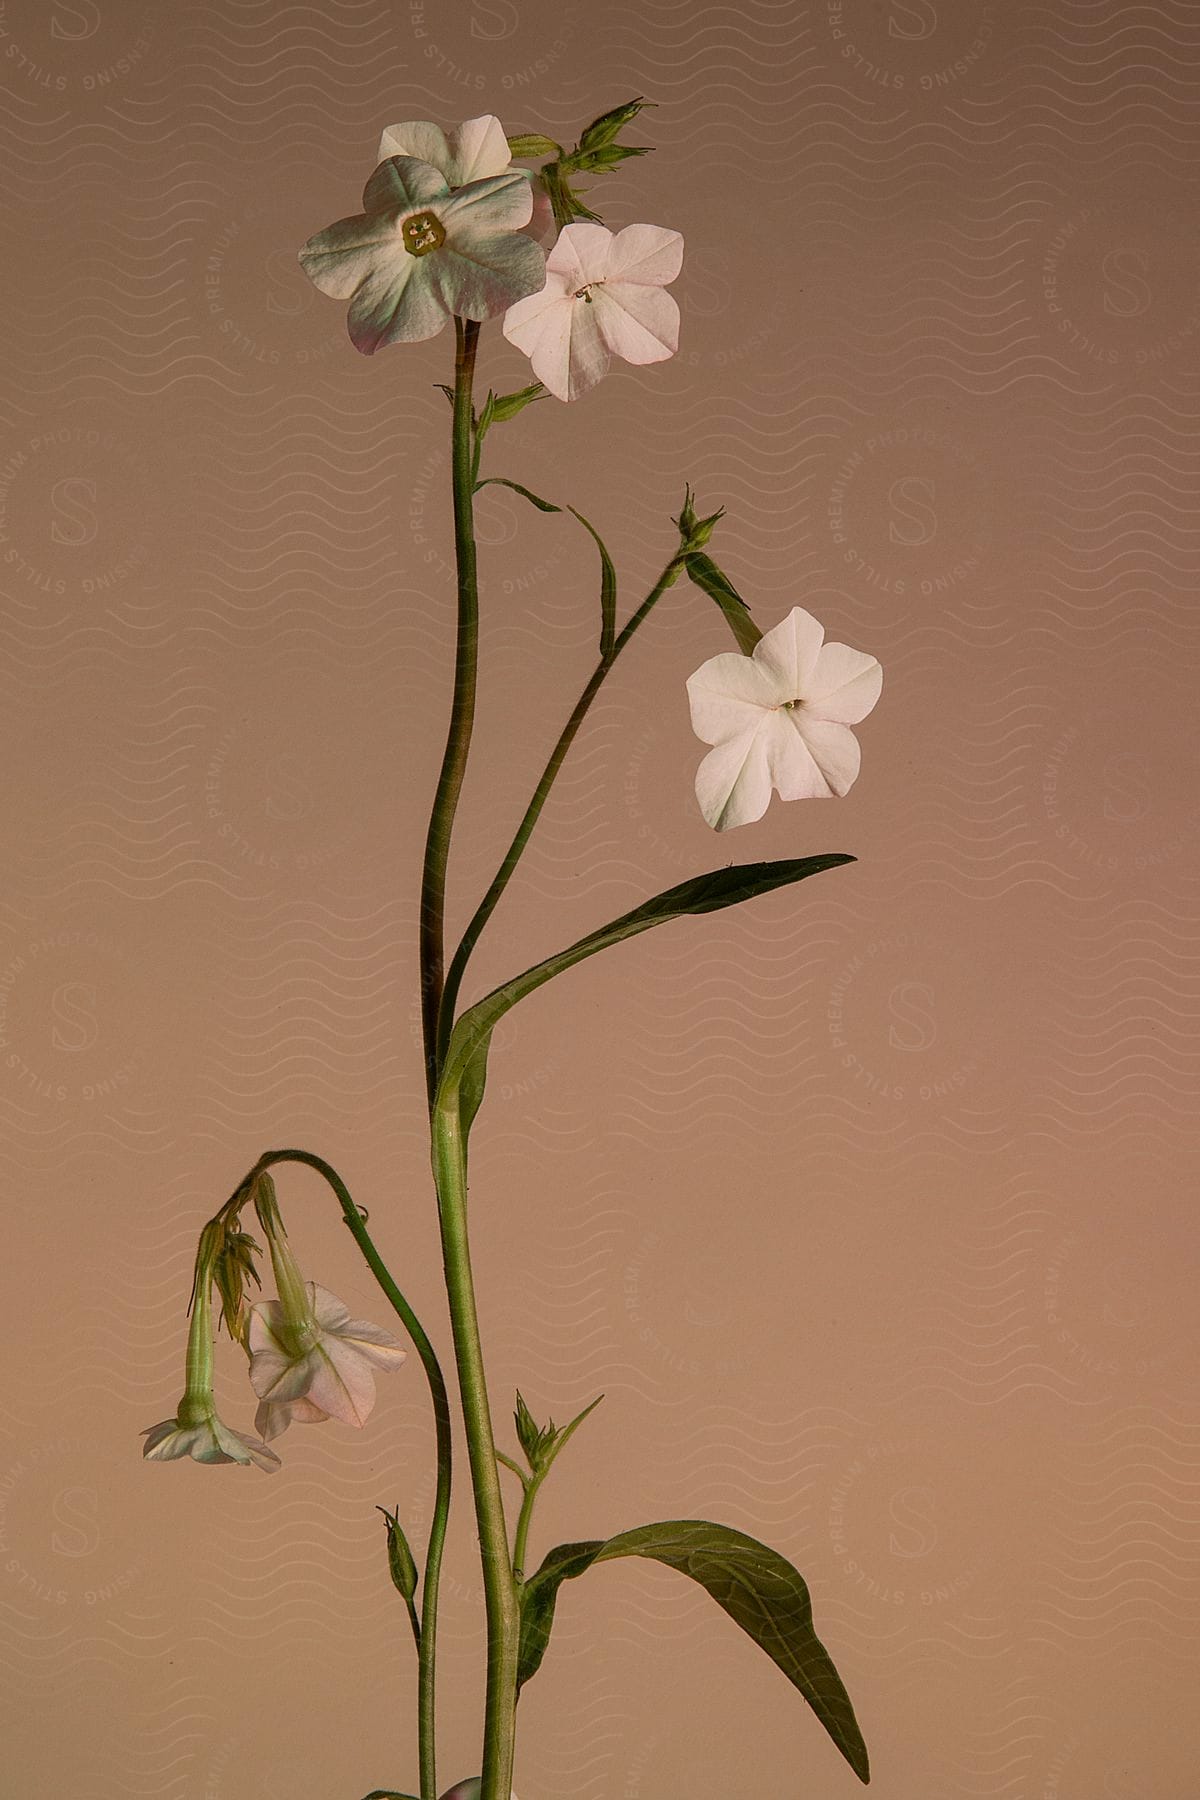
{"points": [[604, 296], [418, 253], [309, 1360], [472, 151], [779, 719], [196, 1431]]}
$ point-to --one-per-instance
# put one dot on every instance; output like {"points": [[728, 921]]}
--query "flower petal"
{"points": [[733, 783], [337, 259], [274, 1375], [832, 747], [638, 323], [795, 773], [729, 695], [562, 342], [403, 184], [472, 150], [502, 203], [789, 651], [580, 254], [274, 1416], [166, 1441], [648, 254], [479, 274], [330, 1312], [342, 1385], [843, 686], [396, 304]]}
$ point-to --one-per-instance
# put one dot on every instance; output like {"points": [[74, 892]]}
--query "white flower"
{"points": [[417, 253], [473, 151], [779, 719], [311, 1361], [604, 296], [209, 1440]]}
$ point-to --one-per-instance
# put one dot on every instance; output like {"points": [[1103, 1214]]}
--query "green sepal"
{"points": [[532, 143], [507, 406], [609, 125], [608, 156], [401, 1566], [717, 585], [464, 1072], [232, 1265], [753, 1584], [532, 1437], [694, 532]]}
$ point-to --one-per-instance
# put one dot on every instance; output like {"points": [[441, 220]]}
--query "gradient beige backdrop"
{"points": [[871, 1207]]}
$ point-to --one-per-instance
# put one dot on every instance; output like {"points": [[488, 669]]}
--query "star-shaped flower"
{"points": [[209, 1440], [779, 719], [418, 253], [604, 296], [319, 1365], [473, 151]]}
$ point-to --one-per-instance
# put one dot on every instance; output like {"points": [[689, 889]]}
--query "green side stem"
{"points": [[500, 1593], [462, 706], [427, 1640], [487, 905]]}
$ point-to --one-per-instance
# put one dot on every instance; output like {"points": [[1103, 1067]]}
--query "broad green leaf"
{"points": [[717, 585], [758, 1588], [465, 1068], [534, 499], [608, 588]]}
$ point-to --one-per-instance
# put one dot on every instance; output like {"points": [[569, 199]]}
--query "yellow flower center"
{"points": [[422, 233]]}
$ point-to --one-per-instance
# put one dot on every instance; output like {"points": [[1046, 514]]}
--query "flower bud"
{"points": [[400, 1558]]}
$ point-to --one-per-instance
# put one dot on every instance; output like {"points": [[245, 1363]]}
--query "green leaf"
{"points": [[534, 499], [608, 588], [717, 585], [758, 1588], [608, 156], [387, 1794], [532, 143], [465, 1068], [487, 414]]}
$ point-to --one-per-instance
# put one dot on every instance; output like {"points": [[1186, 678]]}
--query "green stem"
{"points": [[500, 1594], [487, 905], [427, 1639], [462, 708]]}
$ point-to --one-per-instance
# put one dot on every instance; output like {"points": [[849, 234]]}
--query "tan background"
{"points": [[870, 1208]]}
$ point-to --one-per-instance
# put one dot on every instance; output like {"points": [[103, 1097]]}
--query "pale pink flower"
{"points": [[312, 1361], [604, 297]]}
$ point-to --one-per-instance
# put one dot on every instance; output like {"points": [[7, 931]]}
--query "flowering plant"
{"points": [[453, 230]]}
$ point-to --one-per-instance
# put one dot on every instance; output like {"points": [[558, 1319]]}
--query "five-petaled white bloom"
{"points": [[310, 1361], [471, 152], [418, 253], [604, 296], [779, 719]]}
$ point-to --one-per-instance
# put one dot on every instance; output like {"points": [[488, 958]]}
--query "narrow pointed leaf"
{"points": [[753, 1584], [534, 499], [717, 585], [465, 1069], [608, 589]]}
